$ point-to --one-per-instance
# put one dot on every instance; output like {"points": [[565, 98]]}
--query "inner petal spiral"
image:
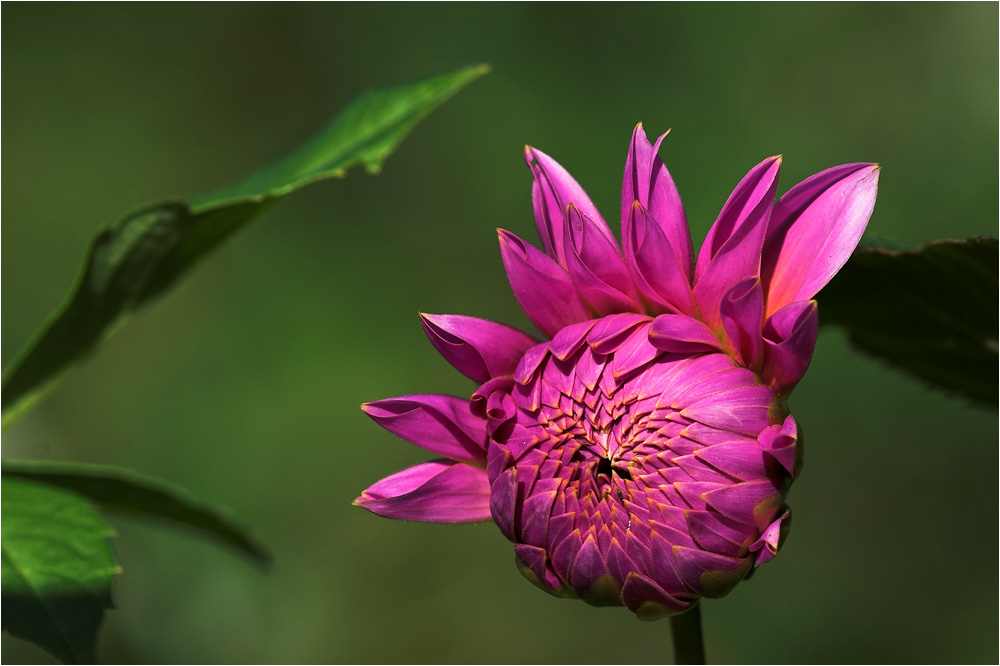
{"points": [[629, 475]]}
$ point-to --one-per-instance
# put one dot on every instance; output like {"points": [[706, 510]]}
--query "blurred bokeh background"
{"points": [[243, 385]]}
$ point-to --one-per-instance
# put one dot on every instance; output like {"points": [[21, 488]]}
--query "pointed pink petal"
{"points": [[537, 562], [742, 459], [552, 190], [441, 424], [742, 313], [770, 541], [567, 341], [596, 266], [718, 534], [439, 491], [741, 410], [478, 348], [648, 182], [708, 574], [589, 568], [750, 503], [544, 290], [656, 270], [814, 230], [789, 342], [503, 502], [681, 334], [780, 442], [610, 333], [732, 249], [648, 600], [635, 353]]}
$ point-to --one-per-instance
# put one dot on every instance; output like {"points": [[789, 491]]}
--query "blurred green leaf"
{"points": [[145, 253], [931, 312], [118, 489], [57, 569]]}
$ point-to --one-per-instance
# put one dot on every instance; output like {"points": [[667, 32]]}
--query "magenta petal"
{"points": [[731, 251], [656, 270], [770, 541], [742, 458], [648, 600], [789, 342], [567, 341], [596, 267], [681, 334], [441, 424], [635, 353], [544, 289], [439, 491], [708, 574], [814, 230], [590, 577], [537, 562], [552, 191], [742, 313], [648, 182], [610, 333], [780, 442], [503, 502], [477, 348], [742, 410], [750, 503]]}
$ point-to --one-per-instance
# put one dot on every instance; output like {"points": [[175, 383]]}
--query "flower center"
{"points": [[598, 459]]}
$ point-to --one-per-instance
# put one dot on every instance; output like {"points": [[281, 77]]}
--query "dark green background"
{"points": [[244, 384]]}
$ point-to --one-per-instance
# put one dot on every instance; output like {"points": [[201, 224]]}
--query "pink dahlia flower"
{"points": [[641, 454]]}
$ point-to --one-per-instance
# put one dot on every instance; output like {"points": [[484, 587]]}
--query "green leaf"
{"points": [[118, 489], [145, 253], [57, 569], [931, 312]]}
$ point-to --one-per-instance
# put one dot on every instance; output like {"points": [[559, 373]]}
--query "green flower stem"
{"points": [[689, 648]]}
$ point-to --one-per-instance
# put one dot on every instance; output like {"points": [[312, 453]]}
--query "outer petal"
{"points": [[554, 189], [544, 290], [732, 249], [595, 264], [478, 348], [648, 182], [742, 312], [814, 229], [439, 491], [441, 424], [789, 341], [682, 334], [773, 537], [655, 267]]}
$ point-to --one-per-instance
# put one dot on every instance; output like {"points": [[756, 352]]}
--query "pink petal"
{"points": [[595, 264], [708, 574], [648, 600], [750, 503], [648, 182], [552, 190], [814, 230], [682, 334], [767, 545], [780, 442], [477, 348], [544, 289], [742, 313], [441, 424], [731, 251], [610, 333], [789, 342], [439, 491], [655, 267]]}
